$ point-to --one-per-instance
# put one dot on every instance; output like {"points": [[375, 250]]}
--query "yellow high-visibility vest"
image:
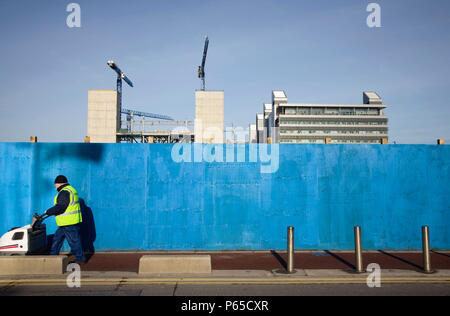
{"points": [[72, 215]]}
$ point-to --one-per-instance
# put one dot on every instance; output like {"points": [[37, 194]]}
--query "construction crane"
{"points": [[120, 76], [131, 113], [145, 114], [201, 69]]}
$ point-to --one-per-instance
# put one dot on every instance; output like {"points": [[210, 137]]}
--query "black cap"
{"points": [[61, 179]]}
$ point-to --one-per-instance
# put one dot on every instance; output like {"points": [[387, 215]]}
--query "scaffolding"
{"points": [[143, 131]]}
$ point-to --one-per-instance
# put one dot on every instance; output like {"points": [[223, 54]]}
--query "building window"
{"points": [[317, 111], [347, 111], [290, 111], [360, 111], [331, 111], [303, 111]]}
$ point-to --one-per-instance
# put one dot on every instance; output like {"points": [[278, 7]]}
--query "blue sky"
{"points": [[317, 51]]}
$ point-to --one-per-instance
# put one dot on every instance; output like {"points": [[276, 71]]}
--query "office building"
{"points": [[286, 122]]}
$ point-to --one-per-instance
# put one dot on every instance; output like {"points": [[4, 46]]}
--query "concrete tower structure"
{"points": [[103, 116], [209, 117], [253, 135]]}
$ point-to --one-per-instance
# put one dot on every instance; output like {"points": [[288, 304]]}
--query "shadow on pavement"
{"points": [[341, 259], [440, 253], [401, 259], [279, 258]]}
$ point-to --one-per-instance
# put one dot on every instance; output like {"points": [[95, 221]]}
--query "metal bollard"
{"points": [[290, 250], [358, 250], [426, 249]]}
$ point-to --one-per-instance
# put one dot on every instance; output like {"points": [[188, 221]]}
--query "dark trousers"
{"points": [[72, 234]]}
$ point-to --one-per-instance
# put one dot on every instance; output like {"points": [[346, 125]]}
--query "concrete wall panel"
{"points": [[209, 116], [103, 116]]}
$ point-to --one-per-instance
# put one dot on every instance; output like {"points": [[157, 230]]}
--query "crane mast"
{"points": [[201, 69], [120, 76]]}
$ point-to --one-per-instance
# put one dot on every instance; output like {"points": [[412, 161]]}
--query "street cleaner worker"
{"points": [[67, 214]]}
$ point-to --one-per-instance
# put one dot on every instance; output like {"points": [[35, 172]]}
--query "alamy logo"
{"points": [[74, 278], [209, 148], [265, 154], [374, 278], [74, 18], [374, 18]]}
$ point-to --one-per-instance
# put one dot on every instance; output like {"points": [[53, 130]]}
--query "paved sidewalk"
{"points": [[247, 274], [273, 260], [303, 276]]}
